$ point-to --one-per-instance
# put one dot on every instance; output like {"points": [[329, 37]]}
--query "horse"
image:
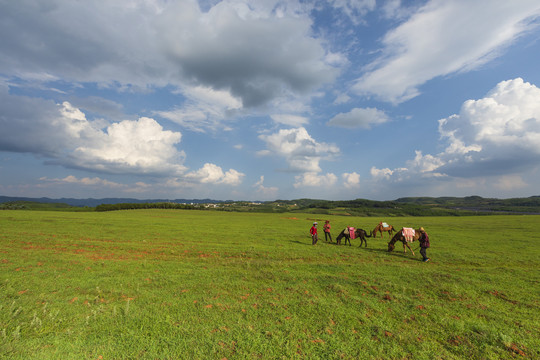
{"points": [[400, 237], [359, 233], [381, 227]]}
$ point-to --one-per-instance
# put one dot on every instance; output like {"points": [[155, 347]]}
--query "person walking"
{"points": [[326, 229], [313, 232], [424, 244]]}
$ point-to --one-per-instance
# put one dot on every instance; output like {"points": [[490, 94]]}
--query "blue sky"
{"points": [[265, 100]]}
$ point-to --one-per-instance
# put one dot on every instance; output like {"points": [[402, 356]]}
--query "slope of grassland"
{"points": [[181, 284]]}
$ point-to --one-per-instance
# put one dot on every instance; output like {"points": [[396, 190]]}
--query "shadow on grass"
{"points": [[301, 242], [394, 253]]}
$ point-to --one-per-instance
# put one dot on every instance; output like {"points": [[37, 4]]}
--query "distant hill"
{"points": [[408, 206], [90, 202], [415, 206]]}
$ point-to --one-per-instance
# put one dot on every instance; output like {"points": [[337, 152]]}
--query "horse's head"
{"points": [[391, 246]]}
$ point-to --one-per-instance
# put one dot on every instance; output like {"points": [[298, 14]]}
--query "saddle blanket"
{"points": [[351, 231], [385, 225], [408, 233]]}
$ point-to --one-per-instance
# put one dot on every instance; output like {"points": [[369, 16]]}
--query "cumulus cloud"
{"points": [[255, 52], [359, 118], [140, 146], [252, 51], [388, 174], [314, 179], [63, 135], [351, 180], [301, 151], [441, 38], [213, 174], [496, 136]]}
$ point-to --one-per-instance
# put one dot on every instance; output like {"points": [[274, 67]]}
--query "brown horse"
{"points": [[400, 237], [380, 228], [359, 233]]}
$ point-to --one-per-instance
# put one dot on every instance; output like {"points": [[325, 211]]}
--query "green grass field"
{"points": [[175, 284]]}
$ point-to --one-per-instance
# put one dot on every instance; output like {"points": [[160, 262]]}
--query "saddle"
{"points": [[408, 234], [351, 232]]}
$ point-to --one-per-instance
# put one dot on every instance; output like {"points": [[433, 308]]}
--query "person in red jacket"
{"points": [[424, 244], [313, 232], [326, 229]]}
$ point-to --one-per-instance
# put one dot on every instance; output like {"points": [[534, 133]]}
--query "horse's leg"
{"points": [[408, 247]]}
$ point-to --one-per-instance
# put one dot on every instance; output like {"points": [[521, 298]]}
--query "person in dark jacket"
{"points": [[424, 244], [327, 231]]}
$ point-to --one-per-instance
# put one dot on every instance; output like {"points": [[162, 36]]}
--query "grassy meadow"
{"points": [[180, 284]]}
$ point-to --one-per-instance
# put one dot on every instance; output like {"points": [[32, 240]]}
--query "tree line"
{"points": [[136, 206]]}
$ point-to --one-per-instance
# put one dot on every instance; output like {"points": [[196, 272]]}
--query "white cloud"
{"points": [[63, 135], [387, 174], [495, 137], [496, 134], [267, 192], [424, 163], [359, 118], [441, 38], [315, 179], [213, 174], [300, 150], [351, 180], [232, 177], [140, 146]]}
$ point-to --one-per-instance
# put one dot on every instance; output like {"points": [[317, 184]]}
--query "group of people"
{"points": [[423, 239], [315, 236]]}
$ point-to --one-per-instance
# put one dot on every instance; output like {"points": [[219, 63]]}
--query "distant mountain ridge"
{"points": [[91, 202], [406, 206]]}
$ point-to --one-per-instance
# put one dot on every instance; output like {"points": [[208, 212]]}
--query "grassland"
{"points": [[179, 284]]}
